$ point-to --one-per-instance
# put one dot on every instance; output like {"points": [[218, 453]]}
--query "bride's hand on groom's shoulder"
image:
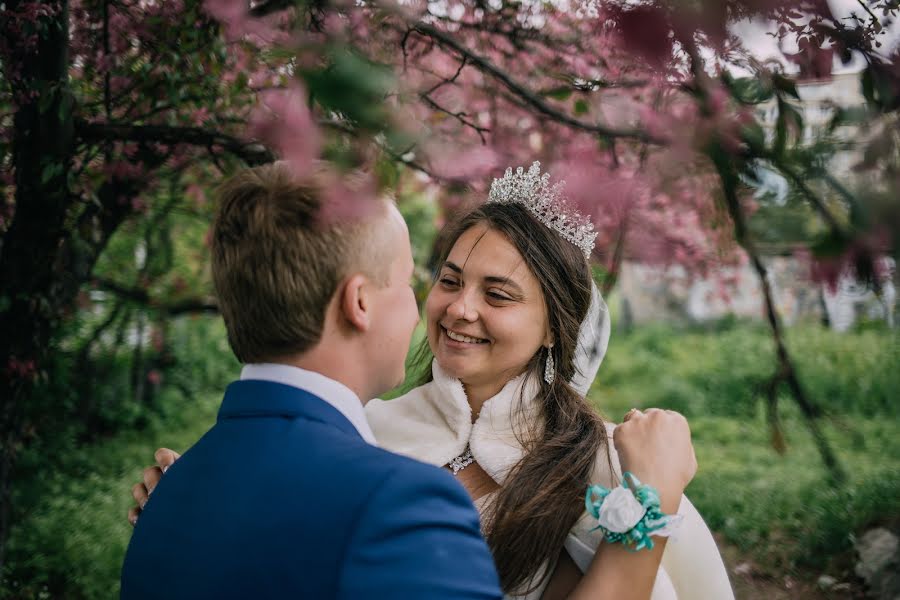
{"points": [[151, 476], [656, 446]]}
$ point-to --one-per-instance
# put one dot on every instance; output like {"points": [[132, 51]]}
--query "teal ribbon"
{"points": [[639, 536]]}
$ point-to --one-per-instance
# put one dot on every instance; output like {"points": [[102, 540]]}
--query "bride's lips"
{"points": [[456, 339]]}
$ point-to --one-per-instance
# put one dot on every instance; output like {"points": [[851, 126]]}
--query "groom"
{"points": [[288, 496]]}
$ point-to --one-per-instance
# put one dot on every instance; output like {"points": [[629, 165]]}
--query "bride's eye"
{"points": [[496, 296], [448, 282]]}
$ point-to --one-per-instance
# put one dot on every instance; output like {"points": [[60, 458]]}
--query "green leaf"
{"points": [[352, 86], [65, 109], [868, 85], [754, 135], [878, 87], [563, 92], [750, 90], [789, 120], [854, 115], [581, 107], [47, 96], [785, 85], [829, 244], [50, 171], [780, 130], [388, 174]]}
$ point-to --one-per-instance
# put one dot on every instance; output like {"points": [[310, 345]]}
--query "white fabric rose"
{"points": [[620, 511]]}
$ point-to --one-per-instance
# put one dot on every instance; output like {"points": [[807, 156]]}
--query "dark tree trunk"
{"points": [[31, 290]]}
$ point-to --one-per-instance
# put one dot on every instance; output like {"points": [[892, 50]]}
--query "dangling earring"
{"points": [[549, 368]]}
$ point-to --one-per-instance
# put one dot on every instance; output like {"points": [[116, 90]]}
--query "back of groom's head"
{"points": [[276, 265]]}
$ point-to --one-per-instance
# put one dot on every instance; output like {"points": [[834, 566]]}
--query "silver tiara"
{"points": [[533, 191]]}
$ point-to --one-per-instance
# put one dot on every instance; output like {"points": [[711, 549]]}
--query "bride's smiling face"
{"points": [[486, 314]]}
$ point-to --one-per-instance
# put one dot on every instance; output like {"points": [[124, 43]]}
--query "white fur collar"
{"points": [[433, 423]]}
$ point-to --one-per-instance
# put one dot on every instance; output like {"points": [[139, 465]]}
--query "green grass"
{"points": [[721, 372], [780, 509]]}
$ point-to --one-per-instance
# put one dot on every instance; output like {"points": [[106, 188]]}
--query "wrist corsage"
{"points": [[629, 514]]}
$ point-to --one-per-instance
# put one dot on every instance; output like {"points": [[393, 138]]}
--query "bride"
{"points": [[516, 331]]}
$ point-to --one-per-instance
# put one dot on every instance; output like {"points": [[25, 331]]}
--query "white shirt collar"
{"points": [[335, 393]]}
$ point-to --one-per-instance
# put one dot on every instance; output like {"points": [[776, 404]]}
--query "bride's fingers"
{"points": [[140, 494], [631, 414], [133, 514], [152, 475], [165, 457]]}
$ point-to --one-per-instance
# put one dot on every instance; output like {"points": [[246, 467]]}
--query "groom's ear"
{"points": [[355, 302]]}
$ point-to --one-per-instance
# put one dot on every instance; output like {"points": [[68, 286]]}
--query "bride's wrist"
{"points": [[669, 491], [634, 512]]}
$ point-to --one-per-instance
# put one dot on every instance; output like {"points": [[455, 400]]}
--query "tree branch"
{"points": [[459, 116], [141, 296], [810, 195], [728, 170], [252, 153], [528, 96]]}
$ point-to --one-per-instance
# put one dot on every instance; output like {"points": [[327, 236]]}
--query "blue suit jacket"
{"points": [[282, 498]]}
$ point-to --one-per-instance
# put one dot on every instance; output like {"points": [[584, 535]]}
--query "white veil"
{"points": [[593, 338]]}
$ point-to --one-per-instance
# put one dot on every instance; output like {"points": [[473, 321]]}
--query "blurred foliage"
{"points": [[421, 215], [70, 538]]}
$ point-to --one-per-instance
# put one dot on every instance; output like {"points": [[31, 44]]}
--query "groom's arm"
{"points": [[418, 537]]}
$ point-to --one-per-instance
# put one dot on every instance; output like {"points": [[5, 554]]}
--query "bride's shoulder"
{"points": [[400, 404]]}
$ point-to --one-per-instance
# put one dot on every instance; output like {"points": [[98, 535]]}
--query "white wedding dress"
{"points": [[433, 424]]}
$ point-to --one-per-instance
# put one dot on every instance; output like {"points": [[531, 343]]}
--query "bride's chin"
{"points": [[451, 367]]}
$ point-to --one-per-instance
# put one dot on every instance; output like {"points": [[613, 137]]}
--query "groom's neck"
{"points": [[334, 364]]}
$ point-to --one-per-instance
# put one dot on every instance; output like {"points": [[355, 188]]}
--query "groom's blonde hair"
{"points": [[276, 264]]}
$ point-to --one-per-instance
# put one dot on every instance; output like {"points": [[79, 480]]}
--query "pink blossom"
{"points": [[21, 369], [284, 122], [197, 195], [239, 23], [646, 30], [346, 196], [123, 169], [462, 163], [157, 339]]}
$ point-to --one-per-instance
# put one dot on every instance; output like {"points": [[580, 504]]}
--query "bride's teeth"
{"points": [[462, 338]]}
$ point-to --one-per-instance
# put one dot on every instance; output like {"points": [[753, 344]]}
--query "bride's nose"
{"points": [[462, 309]]}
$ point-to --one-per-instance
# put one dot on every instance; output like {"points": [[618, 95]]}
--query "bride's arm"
{"points": [[619, 573], [657, 448]]}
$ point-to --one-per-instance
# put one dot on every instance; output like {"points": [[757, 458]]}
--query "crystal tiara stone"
{"points": [[533, 191]]}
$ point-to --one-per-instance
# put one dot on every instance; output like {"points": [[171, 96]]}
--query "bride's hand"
{"points": [[656, 446], [141, 491]]}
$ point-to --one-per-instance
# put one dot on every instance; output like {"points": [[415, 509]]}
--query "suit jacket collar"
{"points": [[331, 391], [256, 398]]}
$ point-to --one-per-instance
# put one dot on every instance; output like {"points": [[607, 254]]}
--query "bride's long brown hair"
{"points": [[543, 495]]}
